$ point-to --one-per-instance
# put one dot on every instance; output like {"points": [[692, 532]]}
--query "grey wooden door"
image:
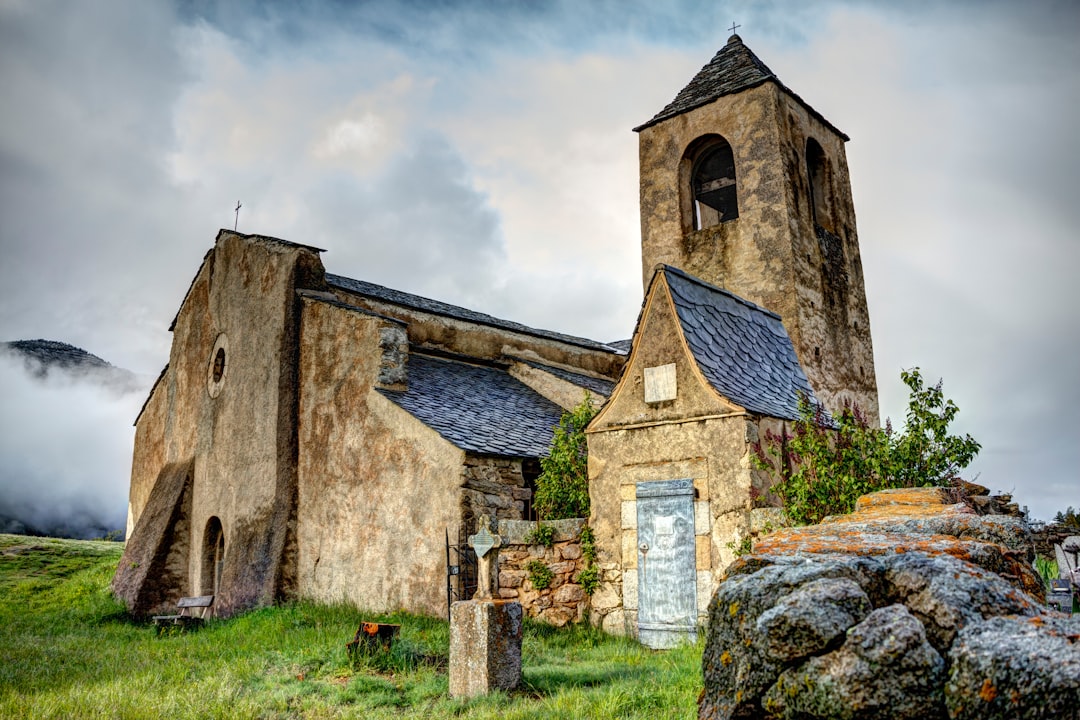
{"points": [[667, 581]]}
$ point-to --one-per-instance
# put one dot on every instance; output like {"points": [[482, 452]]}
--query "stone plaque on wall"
{"points": [[660, 383]]}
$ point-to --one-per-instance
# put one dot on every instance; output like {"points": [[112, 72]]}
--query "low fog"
{"points": [[66, 447]]}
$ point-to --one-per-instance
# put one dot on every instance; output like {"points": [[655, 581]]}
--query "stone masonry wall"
{"points": [[565, 600], [494, 487]]}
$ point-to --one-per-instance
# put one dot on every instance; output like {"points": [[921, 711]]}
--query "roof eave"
{"points": [[661, 117]]}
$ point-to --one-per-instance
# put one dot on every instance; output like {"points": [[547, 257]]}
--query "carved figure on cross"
{"points": [[486, 546]]}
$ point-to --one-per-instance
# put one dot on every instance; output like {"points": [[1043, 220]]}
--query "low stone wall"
{"points": [[564, 601]]}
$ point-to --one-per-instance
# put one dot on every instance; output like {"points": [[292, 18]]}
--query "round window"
{"points": [[218, 367]]}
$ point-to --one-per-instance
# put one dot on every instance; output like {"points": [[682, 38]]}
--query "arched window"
{"points": [[817, 172], [213, 557], [712, 182]]}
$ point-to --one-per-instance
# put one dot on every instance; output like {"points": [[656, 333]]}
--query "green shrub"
{"points": [[540, 574], [542, 535], [562, 489], [589, 579], [742, 547], [827, 464]]}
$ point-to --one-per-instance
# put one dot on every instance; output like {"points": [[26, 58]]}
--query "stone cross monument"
{"points": [[486, 546], [485, 633]]}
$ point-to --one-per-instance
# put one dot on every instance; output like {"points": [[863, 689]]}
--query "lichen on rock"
{"points": [[905, 609], [1011, 667], [886, 668]]}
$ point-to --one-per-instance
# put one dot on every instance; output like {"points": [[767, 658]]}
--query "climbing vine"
{"points": [[562, 489], [589, 577]]}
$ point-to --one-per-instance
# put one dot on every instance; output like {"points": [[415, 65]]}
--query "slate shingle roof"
{"points": [[478, 409], [742, 349], [733, 69], [595, 385], [435, 307]]}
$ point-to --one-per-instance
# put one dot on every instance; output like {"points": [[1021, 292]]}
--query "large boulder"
{"points": [[884, 668], [1010, 667], [897, 611]]}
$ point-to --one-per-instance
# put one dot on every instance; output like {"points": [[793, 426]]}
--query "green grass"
{"points": [[69, 651]]}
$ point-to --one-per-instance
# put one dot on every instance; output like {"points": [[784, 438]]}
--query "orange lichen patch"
{"points": [[853, 537], [987, 692], [906, 501], [725, 658], [733, 609], [1037, 621]]}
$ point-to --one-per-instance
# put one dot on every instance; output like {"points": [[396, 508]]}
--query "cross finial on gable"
{"points": [[734, 27]]}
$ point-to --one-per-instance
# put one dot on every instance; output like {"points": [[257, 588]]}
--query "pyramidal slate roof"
{"points": [[733, 69], [742, 349], [436, 307], [478, 408]]}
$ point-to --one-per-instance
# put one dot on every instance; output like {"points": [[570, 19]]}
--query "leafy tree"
{"points": [[1069, 518], [925, 454], [826, 464], [562, 489]]}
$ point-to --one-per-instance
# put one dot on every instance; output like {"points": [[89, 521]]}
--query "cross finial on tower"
{"points": [[734, 27], [236, 221]]}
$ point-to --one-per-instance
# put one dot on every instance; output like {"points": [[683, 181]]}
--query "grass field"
{"points": [[69, 651]]}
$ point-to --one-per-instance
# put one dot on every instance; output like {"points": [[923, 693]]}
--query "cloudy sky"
{"points": [[481, 153]]}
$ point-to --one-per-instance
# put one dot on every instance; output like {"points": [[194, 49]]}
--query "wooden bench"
{"points": [[185, 618]]}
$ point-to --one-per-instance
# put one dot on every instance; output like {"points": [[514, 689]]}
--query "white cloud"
{"points": [[486, 158]]}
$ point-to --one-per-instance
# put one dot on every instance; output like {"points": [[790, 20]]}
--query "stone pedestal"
{"points": [[485, 646]]}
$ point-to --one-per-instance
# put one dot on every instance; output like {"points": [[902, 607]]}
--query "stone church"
{"points": [[316, 436]]}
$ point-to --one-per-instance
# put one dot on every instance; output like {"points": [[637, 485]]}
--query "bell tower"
{"points": [[746, 186]]}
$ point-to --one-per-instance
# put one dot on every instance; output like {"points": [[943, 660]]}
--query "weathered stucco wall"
{"points": [[697, 435], [834, 341], [247, 434], [167, 428], [236, 424], [148, 456], [771, 254], [377, 488], [482, 341], [661, 343], [750, 255], [714, 453], [564, 394]]}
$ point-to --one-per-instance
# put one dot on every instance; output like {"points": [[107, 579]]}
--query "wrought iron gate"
{"points": [[460, 569]]}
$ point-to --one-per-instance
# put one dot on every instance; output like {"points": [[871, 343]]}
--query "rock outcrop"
{"points": [[913, 606]]}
